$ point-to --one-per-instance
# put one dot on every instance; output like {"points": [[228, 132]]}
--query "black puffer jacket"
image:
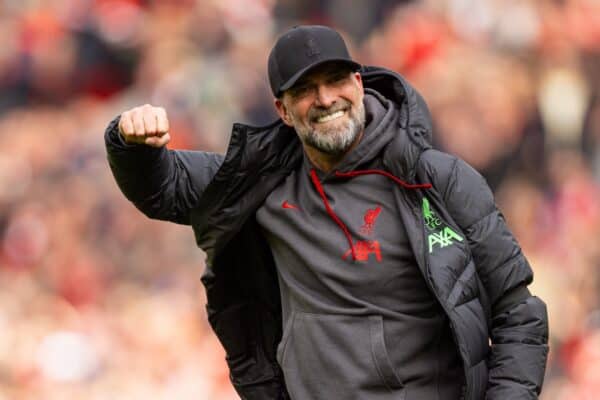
{"points": [[480, 280]]}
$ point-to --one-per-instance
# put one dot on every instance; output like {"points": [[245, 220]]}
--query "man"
{"points": [[346, 259]]}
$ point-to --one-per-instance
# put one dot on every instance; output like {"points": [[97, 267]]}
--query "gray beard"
{"points": [[334, 141]]}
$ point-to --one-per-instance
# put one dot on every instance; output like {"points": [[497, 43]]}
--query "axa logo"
{"points": [[443, 237]]}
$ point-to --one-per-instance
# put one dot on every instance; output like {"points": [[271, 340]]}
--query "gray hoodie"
{"points": [[359, 319]]}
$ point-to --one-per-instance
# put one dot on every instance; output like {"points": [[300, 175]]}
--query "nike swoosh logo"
{"points": [[289, 206]]}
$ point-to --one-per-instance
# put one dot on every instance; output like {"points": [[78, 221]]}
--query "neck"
{"points": [[327, 162]]}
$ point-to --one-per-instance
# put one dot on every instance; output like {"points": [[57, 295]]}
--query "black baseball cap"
{"points": [[302, 48]]}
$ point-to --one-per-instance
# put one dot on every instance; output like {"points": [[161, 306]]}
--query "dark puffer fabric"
{"points": [[501, 331]]}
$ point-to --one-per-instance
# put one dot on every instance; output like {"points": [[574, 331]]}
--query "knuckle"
{"points": [[148, 118], [138, 127], [163, 124], [125, 128]]}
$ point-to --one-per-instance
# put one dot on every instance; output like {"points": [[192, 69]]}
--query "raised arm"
{"points": [[163, 184]]}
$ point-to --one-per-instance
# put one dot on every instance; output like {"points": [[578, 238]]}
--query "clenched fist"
{"points": [[145, 125]]}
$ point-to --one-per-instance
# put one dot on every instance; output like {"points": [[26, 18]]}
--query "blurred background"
{"points": [[98, 302]]}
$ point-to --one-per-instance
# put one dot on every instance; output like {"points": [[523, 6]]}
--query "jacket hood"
{"points": [[414, 123], [394, 87]]}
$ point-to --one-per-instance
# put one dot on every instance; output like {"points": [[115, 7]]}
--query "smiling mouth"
{"points": [[330, 117]]}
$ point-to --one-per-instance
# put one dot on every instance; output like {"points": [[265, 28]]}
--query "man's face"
{"points": [[325, 107]]}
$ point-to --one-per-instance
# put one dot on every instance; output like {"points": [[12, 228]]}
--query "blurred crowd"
{"points": [[98, 302]]}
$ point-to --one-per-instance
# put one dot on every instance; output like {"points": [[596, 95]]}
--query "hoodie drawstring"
{"points": [[400, 182], [352, 174], [319, 187]]}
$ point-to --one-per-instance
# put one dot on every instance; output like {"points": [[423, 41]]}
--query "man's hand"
{"points": [[145, 125]]}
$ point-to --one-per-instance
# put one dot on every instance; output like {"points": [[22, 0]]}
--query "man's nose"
{"points": [[325, 96]]}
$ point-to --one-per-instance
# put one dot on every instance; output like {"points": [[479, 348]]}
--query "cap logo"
{"points": [[311, 48]]}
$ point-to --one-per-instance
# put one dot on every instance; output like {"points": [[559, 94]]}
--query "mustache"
{"points": [[317, 112]]}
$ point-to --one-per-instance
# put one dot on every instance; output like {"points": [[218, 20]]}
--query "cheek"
{"points": [[352, 94], [357, 94], [299, 113]]}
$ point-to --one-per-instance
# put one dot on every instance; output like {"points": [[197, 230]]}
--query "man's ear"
{"points": [[283, 112], [358, 78]]}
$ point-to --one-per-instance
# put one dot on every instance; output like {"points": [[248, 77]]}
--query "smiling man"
{"points": [[346, 258]]}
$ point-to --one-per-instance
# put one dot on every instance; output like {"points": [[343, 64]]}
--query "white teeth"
{"points": [[330, 117]]}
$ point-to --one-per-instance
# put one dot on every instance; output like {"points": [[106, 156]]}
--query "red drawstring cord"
{"points": [[384, 173], [315, 179]]}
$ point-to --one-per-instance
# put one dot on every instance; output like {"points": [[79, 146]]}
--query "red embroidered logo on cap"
{"points": [[289, 206]]}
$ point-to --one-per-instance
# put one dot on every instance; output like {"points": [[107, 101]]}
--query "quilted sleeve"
{"points": [[163, 184]]}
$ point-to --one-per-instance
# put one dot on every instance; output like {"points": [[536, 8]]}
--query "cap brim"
{"points": [[290, 82]]}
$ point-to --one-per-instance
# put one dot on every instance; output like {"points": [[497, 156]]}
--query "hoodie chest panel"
{"points": [[316, 268]]}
